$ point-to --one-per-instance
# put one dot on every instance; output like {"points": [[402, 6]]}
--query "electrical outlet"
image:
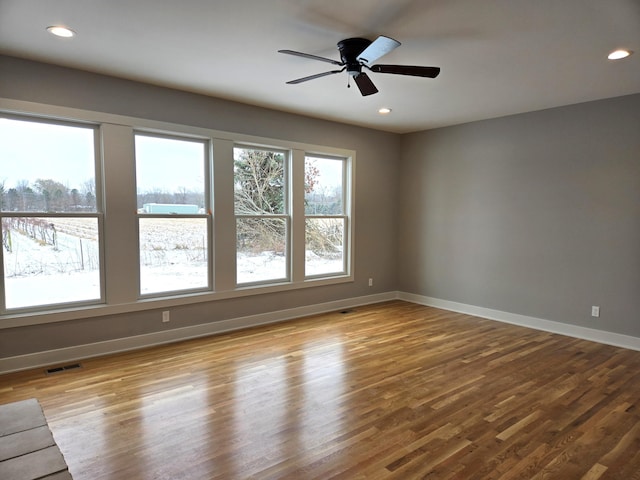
{"points": [[371, 282], [166, 316], [595, 311]]}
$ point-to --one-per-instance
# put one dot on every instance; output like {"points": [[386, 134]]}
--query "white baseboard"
{"points": [[575, 331], [80, 352]]}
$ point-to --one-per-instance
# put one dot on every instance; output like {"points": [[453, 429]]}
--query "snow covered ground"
{"points": [[39, 274]]}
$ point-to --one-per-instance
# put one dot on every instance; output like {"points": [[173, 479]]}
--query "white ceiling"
{"points": [[498, 57]]}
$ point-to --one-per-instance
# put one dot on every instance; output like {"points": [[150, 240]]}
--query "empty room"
{"points": [[296, 240]]}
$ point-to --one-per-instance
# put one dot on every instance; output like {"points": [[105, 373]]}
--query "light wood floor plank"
{"points": [[388, 391]]}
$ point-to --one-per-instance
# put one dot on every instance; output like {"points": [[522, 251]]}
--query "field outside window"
{"points": [[287, 213], [49, 209], [325, 226], [173, 225]]}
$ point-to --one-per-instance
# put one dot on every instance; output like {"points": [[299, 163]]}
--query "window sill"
{"points": [[22, 319]]}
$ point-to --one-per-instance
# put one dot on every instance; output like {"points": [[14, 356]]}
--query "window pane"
{"points": [[261, 249], [324, 246], [50, 260], [323, 186], [46, 167], [170, 175], [259, 181], [173, 254], [170, 180]]}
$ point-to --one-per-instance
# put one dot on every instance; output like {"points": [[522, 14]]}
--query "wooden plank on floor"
{"points": [[391, 391]]}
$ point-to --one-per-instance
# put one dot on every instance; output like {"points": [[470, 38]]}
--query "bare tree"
{"points": [[3, 193], [56, 195]]}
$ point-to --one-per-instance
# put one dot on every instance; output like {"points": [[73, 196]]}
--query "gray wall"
{"points": [[376, 193], [536, 214]]}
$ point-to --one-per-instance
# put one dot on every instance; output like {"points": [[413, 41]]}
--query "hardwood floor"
{"points": [[394, 390]]}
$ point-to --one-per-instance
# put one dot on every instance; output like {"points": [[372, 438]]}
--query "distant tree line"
{"points": [[327, 201], [181, 196], [47, 195]]}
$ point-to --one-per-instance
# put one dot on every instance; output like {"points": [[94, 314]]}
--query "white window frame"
{"points": [[116, 190], [285, 215], [345, 215], [97, 215], [206, 215]]}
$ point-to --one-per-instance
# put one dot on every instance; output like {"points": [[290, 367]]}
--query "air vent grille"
{"points": [[73, 366]]}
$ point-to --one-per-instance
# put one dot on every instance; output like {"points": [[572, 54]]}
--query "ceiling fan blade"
{"points": [[430, 72], [312, 77], [365, 84], [312, 57], [379, 47]]}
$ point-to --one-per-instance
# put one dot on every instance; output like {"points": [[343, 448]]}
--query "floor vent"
{"points": [[73, 366], [344, 312]]}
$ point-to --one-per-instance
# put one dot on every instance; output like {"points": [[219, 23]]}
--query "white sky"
{"points": [[330, 172], [33, 150], [169, 165]]}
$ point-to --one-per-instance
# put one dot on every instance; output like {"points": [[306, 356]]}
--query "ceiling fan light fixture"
{"points": [[619, 54], [384, 111], [60, 31]]}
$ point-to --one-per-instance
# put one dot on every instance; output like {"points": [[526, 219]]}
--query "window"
{"points": [[173, 213], [50, 213], [261, 210], [325, 216], [104, 213]]}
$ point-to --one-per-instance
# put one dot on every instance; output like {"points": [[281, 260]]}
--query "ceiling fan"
{"points": [[356, 53]]}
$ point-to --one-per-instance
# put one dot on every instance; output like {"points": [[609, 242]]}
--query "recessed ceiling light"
{"points": [[618, 54], [59, 31], [384, 111]]}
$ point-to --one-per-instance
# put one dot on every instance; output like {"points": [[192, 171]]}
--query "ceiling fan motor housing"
{"points": [[349, 51]]}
